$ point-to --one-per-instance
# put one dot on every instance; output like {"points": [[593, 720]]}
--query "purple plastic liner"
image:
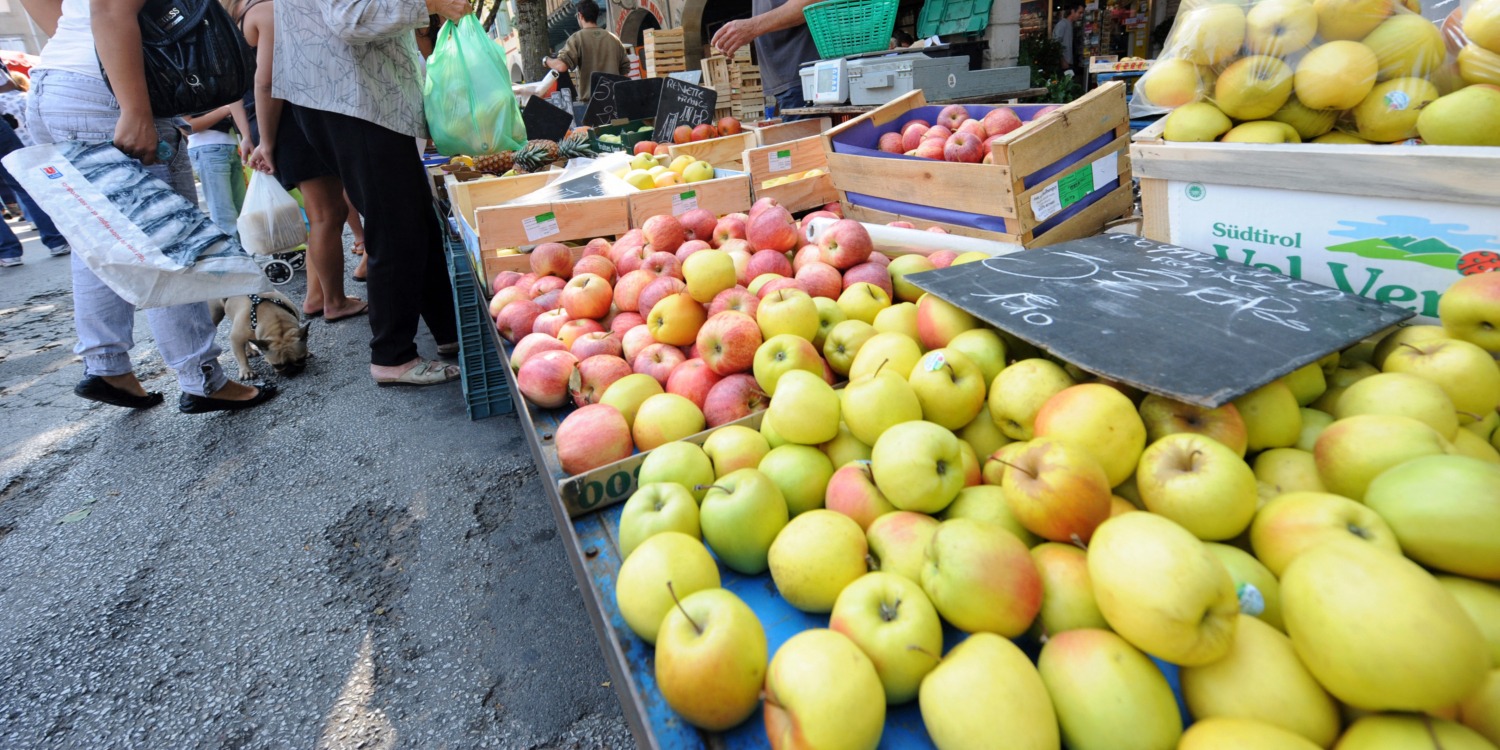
{"points": [[862, 140]]}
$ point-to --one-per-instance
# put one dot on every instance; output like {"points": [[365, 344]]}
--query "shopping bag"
{"points": [[470, 106], [150, 245], [270, 221]]}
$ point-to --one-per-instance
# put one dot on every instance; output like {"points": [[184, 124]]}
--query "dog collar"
{"points": [[256, 299]]}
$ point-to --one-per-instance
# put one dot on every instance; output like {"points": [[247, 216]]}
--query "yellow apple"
{"points": [[805, 409], [1262, 131], [740, 517], [984, 683], [895, 352], [1470, 308], [1248, 573], [680, 164], [987, 503], [1164, 416], [1020, 390], [1099, 419], [1294, 523], [801, 472], [708, 272], [1310, 123], [665, 178], [1241, 734], [822, 691], [654, 508], [918, 465], [1197, 482], [1174, 82], [1466, 117], [843, 342], [1400, 394], [1192, 621], [970, 257], [1313, 423], [1209, 35], [1466, 443], [628, 393], [1481, 711], [1307, 383], [1198, 122], [815, 556], [863, 301], [1280, 27], [1387, 731], [983, 435], [900, 317], [734, 447], [1337, 599], [896, 400], [950, 387], [983, 347], [1468, 374], [1350, 19], [663, 418], [1482, 602], [711, 659], [1478, 65], [698, 171], [1288, 470], [663, 566], [1273, 418], [900, 267], [640, 179], [1390, 112], [1407, 46], [1067, 593], [1255, 87], [1336, 75], [676, 319], [981, 578], [1442, 509], [1108, 695], [845, 448], [898, 542], [893, 623], [787, 311], [1057, 490]]}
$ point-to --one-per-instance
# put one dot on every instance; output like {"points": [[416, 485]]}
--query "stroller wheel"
{"points": [[279, 271], [298, 260]]}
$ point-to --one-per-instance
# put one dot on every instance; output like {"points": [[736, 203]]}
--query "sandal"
{"points": [[426, 372], [365, 310]]}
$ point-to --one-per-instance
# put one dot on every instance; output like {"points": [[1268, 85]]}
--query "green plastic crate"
{"points": [[851, 27], [939, 17], [630, 134]]}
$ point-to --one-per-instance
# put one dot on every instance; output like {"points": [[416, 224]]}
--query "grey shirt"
{"points": [[353, 57], [781, 53], [1063, 33]]}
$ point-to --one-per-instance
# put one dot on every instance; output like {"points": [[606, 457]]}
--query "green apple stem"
{"points": [[1471, 415], [678, 602], [1078, 542], [1013, 466], [1431, 732], [888, 611], [920, 650], [883, 363], [702, 487]]}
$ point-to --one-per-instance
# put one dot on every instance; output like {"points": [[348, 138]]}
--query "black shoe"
{"points": [[191, 404], [95, 388]]}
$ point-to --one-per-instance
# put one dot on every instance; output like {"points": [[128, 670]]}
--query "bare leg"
{"points": [[357, 228], [326, 211]]}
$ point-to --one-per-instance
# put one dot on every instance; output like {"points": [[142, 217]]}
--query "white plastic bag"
{"points": [[271, 221], [152, 246]]}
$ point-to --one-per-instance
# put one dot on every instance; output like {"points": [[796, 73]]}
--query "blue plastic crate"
{"points": [[486, 390]]}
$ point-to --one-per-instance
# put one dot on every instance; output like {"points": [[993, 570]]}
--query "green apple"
{"points": [[772, 439], [734, 447], [1358, 616], [898, 318], [1098, 419], [829, 315], [1289, 470], [1482, 602], [852, 491], [1191, 621], [918, 466], [711, 659], [886, 351], [1405, 335], [1345, 375], [654, 508], [984, 683], [679, 462], [1019, 391], [1443, 511], [1164, 416], [846, 448], [1262, 679], [1402, 395], [663, 418], [1107, 694], [666, 565], [740, 517], [801, 472], [900, 267], [1470, 310], [1067, 593], [1195, 122], [1292, 524], [939, 321], [1314, 422], [890, 619], [863, 301], [1353, 451], [781, 354], [1386, 730], [950, 387], [875, 403], [983, 435], [1209, 34], [707, 273], [1262, 131], [1468, 374], [987, 503], [1242, 734], [973, 471], [1199, 483], [822, 691], [787, 311], [1057, 490], [1481, 711], [1307, 383], [983, 347], [898, 542], [805, 409], [844, 341], [1260, 594], [1466, 443], [628, 393], [815, 557], [1273, 418], [981, 578]]}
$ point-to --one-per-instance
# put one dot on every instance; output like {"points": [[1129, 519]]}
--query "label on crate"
{"points": [[781, 161], [684, 202], [1075, 186], [540, 227]]}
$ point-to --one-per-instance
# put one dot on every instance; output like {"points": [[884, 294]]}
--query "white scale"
{"points": [[830, 81]]}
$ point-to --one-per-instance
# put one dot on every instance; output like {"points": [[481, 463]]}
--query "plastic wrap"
{"points": [[583, 178], [1331, 71]]}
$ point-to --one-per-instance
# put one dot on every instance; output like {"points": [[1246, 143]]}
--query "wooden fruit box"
{"points": [[728, 192], [486, 225], [494, 262], [1398, 224], [780, 132], [780, 159], [726, 151], [1060, 176]]}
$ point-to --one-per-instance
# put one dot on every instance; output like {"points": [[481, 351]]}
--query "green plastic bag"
{"points": [[470, 106]]}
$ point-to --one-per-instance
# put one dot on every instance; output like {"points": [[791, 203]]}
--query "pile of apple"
{"points": [[1319, 557], [1330, 71], [649, 171], [955, 136]]}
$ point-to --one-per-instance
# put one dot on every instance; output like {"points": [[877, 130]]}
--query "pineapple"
{"points": [[494, 163], [576, 146]]}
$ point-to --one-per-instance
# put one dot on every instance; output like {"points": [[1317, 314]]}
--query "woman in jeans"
{"points": [[70, 101]]}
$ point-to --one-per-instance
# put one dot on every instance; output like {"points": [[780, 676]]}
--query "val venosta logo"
{"points": [[1415, 239]]}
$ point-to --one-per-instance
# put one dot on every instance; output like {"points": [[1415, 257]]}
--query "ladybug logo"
{"points": [[1479, 261]]}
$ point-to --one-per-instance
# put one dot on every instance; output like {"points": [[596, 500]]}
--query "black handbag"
{"points": [[196, 58]]}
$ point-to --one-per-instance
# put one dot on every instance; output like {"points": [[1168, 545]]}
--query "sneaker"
{"points": [[56, 251], [9, 262]]}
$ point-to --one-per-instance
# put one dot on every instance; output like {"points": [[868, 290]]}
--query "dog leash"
{"points": [[256, 299]]}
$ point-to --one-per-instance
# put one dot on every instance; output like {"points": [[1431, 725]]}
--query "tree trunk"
{"points": [[531, 24]]}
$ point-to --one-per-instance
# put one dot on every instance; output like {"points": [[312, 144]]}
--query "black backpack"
{"points": [[196, 59]]}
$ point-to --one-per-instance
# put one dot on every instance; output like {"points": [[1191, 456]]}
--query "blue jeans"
{"points": [[223, 181], [68, 106], [790, 99], [10, 245]]}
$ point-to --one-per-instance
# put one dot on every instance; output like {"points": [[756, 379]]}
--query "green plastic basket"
{"points": [[851, 27]]}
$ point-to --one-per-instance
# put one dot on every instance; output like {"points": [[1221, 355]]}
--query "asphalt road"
{"points": [[345, 567]]}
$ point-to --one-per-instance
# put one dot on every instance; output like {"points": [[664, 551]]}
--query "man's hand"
{"points": [[246, 150], [735, 34], [135, 136], [452, 10]]}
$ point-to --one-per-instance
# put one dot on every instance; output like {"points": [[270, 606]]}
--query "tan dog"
{"points": [[270, 322]]}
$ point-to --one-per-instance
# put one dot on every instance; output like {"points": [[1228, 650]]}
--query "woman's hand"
{"points": [[262, 159], [453, 10], [246, 150], [136, 137]]}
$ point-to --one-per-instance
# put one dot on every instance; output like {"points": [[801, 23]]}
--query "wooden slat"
{"points": [[889, 113], [806, 154], [971, 188], [501, 226], [800, 195], [782, 132], [469, 197], [1120, 146], [1155, 224], [1066, 130], [725, 151], [721, 195], [1089, 221]]}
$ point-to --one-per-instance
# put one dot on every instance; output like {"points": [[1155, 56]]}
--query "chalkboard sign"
{"points": [[614, 97], [682, 103], [545, 120], [1165, 319]]}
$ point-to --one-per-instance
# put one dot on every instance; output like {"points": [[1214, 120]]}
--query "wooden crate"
{"points": [[1055, 142], [790, 157], [776, 131], [488, 226], [1393, 223], [664, 52], [715, 71], [725, 151], [728, 192]]}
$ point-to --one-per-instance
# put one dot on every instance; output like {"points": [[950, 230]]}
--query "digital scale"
{"points": [[875, 78]]}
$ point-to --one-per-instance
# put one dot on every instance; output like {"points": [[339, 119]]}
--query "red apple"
{"points": [[543, 380], [550, 301], [690, 247], [503, 280], [1001, 120], [598, 246], [658, 361], [662, 264], [572, 330], [664, 233], [551, 321], [662, 149], [773, 229], [598, 265], [630, 258], [936, 230], [974, 128], [821, 214], [728, 341], [628, 290], [635, 341], [591, 437], [937, 131], [644, 147], [546, 284], [835, 208], [517, 319], [932, 148], [552, 259], [942, 258], [870, 273], [901, 224], [630, 239], [952, 116], [911, 134], [741, 260], [1047, 110], [730, 126], [595, 375], [531, 345], [682, 134], [728, 228], [504, 297], [891, 143], [845, 244], [963, 147], [761, 204], [624, 321], [587, 296], [776, 285], [988, 146], [736, 299], [596, 343], [658, 290], [692, 380], [768, 261], [820, 280], [805, 255], [734, 397], [699, 224], [703, 132], [881, 258]]}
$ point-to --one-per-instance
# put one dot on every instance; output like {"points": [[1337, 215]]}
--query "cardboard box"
{"points": [[786, 158], [1398, 224], [1059, 177]]}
